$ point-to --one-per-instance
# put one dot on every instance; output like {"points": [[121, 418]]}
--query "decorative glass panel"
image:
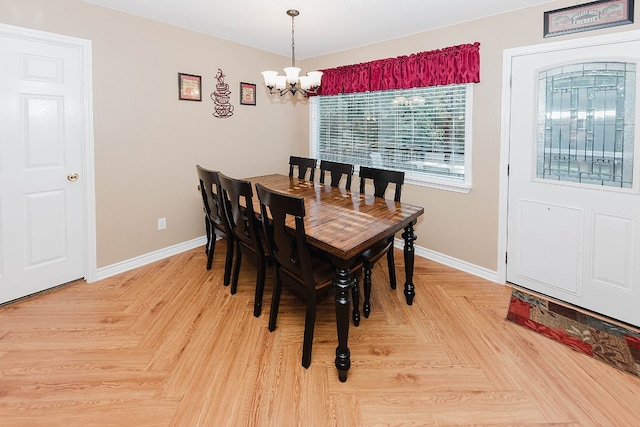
{"points": [[586, 116]]}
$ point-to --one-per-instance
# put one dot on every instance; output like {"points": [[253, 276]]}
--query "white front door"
{"points": [[573, 198], [42, 131]]}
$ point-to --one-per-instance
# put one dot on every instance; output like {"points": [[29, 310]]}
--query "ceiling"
{"points": [[323, 26]]}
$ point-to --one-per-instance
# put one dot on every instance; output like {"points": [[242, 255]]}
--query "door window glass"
{"points": [[585, 123]]}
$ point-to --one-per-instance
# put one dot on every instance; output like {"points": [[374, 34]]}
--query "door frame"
{"points": [[507, 59], [88, 166]]}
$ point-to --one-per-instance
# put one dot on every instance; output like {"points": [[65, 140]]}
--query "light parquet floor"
{"points": [[167, 345]]}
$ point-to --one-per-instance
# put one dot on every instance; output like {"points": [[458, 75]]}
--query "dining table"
{"points": [[343, 224]]}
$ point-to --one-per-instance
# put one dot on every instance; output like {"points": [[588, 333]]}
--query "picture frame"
{"points": [[247, 93], [588, 16], [189, 87]]}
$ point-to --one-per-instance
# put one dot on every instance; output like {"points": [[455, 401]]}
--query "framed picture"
{"points": [[247, 93], [588, 16], [189, 87]]}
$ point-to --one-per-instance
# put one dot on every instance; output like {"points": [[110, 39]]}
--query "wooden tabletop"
{"points": [[340, 222]]}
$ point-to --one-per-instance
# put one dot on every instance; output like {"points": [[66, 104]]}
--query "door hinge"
{"points": [[508, 169], [506, 256]]}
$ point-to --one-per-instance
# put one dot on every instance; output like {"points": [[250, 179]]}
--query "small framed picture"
{"points": [[588, 16], [247, 93], [189, 87]]}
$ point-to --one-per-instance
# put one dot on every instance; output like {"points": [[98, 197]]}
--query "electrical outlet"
{"points": [[162, 223]]}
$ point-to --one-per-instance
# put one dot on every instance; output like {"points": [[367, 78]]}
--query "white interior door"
{"points": [[573, 198], [42, 218]]}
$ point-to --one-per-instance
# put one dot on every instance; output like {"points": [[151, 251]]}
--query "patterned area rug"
{"points": [[604, 341]]}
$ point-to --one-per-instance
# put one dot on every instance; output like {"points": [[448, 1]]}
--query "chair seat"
{"points": [[373, 254], [254, 256], [323, 273], [252, 248]]}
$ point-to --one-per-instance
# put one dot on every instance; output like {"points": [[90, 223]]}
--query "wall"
{"points": [[147, 142], [465, 226]]}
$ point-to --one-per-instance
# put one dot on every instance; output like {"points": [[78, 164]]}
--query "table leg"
{"points": [[409, 237], [343, 282]]}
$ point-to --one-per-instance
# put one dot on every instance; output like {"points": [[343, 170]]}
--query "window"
{"points": [[425, 132]]}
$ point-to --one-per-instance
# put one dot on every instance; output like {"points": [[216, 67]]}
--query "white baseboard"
{"points": [[482, 272], [139, 261]]}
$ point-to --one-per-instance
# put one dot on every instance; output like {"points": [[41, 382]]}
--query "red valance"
{"points": [[451, 65]]}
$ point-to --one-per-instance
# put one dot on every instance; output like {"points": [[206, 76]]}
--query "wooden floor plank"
{"points": [[444, 408], [90, 413]]}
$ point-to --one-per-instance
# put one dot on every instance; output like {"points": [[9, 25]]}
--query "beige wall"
{"points": [[147, 142], [465, 226]]}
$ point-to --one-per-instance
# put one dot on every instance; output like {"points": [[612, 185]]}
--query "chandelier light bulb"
{"points": [[292, 74], [270, 78]]}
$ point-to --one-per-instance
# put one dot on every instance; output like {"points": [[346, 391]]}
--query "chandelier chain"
{"points": [[293, 43]]}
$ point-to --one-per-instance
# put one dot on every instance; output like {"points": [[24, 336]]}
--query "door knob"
{"points": [[72, 177]]}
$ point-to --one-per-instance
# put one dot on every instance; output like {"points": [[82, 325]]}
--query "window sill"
{"points": [[440, 185]]}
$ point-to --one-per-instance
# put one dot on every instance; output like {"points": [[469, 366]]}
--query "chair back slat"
{"points": [[211, 196], [337, 170], [304, 165], [381, 179], [238, 201], [283, 223]]}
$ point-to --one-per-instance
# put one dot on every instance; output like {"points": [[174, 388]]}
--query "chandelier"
{"points": [[291, 81]]}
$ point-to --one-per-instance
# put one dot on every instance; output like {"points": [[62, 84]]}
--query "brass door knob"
{"points": [[72, 177]]}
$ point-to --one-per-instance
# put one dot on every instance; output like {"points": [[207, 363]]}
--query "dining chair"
{"points": [[215, 219], [304, 165], [248, 237], [304, 272], [380, 178], [337, 170]]}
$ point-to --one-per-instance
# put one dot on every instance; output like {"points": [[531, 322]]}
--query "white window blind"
{"points": [[424, 132]]}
